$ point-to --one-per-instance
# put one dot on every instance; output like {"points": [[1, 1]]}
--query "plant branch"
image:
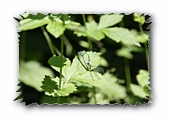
{"points": [[53, 49], [127, 73]]}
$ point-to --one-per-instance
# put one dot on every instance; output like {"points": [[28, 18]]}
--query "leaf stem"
{"points": [[61, 64], [88, 38], [127, 73], [145, 45], [53, 49], [61, 60]]}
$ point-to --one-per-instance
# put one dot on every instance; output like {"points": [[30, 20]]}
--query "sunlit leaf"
{"points": [[112, 89], [121, 35], [55, 63], [33, 21], [124, 52], [51, 88], [142, 38], [55, 28], [93, 31], [109, 20], [66, 90], [79, 33], [143, 78], [138, 91]]}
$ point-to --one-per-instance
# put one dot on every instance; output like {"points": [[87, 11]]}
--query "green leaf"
{"points": [[31, 73], [112, 89], [79, 33], [79, 73], [66, 90], [51, 88], [33, 21], [76, 70], [124, 52], [55, 63], [84, 44], [92, 78], [131, 99], [49, 85], [55, 28], [103, 62], [138, 91], [71, 24], [93, 31], [121, 35], [109, 20], [142, 38], [143, 78]]}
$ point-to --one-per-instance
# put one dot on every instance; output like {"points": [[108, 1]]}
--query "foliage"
{"points": [[32, 73], [81, 74]]}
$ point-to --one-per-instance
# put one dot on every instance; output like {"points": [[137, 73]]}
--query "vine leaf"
{"points": [[55, 28], [31, 73], [109, 20], [121, 35], [92, 30], [33, 21]]}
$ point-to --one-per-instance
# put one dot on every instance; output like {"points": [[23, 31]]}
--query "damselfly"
{"points": [[90, 64]]}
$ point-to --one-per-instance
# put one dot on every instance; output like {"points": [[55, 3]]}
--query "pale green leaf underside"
{"points": [[32, 73], [121, 35], [109, 20], [55, 28]]}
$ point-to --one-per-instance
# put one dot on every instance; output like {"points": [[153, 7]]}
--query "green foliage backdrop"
{"points": [[83, 59]]}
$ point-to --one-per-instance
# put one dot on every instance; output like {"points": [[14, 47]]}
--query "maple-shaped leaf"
{"points": [[49, 85]]}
